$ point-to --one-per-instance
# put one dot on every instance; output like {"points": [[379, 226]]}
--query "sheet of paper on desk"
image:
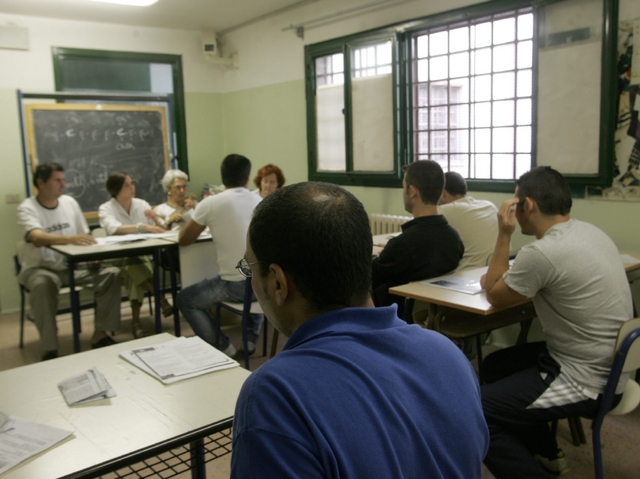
{"points": [[456, 283], [181, 358], [26, 439], [119, 239], [115, 239], [90, 385]]}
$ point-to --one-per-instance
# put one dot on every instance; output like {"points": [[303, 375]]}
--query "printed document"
{"points": [[89, 385], [23, 439], [179, 359]]}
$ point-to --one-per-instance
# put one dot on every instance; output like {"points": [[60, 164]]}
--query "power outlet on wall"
{"points": [[12, 199]]}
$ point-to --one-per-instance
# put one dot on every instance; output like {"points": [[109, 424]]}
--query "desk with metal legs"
{"points": [[78, 254], [468, 315], [145, 419]]}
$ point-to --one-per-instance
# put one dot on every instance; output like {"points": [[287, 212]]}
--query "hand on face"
{"points": [[507, 216]]}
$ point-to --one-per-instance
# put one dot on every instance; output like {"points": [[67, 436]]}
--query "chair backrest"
{"points": [[20, 246], [632, 360], [626, 358]]}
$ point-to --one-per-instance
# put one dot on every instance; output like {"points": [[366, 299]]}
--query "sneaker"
{"points": [[556, 465], [251, 347], [230, 350]]}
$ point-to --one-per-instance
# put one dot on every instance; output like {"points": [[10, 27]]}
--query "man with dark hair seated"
{"points": [[580, 291], [53, 218], [476, 221], [227, 215], [355, 392], [428, 246]]}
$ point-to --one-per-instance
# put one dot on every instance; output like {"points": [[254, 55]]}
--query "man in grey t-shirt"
{"points": [[578, 285]]}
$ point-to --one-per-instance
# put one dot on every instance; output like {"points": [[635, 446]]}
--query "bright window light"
{"points": [[134, 3]]}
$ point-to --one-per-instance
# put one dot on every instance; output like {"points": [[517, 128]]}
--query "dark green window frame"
{"points": [[403, 141], [177, 99]]}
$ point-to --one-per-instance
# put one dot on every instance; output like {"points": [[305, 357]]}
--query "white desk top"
{"points": [[473, 303], [125, 248], [144, 412]]}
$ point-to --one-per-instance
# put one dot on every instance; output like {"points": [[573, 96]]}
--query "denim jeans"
{"points": [[195, 301]]}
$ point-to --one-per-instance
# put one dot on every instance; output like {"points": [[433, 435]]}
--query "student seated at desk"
{"points": [[476, 221], [355, 392], [125, 214], [51, 218], [581, 295], [170, 215], [227, 215], [268, 180], [428, 246]]}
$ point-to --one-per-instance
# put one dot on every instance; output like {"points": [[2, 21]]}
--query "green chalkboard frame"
{"points": [[60, 54], [31, 131]]}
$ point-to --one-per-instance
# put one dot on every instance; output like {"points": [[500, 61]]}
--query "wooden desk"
{"points": [[78, 254], [476, 304], [144, 419], [470, 315], [467, 315]]}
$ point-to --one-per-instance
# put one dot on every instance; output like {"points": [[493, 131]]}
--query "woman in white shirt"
{"points": [[125, 214], [171, 215]]}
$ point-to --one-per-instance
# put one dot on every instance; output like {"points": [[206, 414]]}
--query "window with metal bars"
{"points": [[486, 90], [473, 95]]}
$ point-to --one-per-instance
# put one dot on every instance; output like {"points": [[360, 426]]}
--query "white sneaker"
{"points": [[251, 348], [556, 465], [230, 350]]}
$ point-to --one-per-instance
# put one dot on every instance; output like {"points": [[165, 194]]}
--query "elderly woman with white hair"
{"points": [[171, 215]]}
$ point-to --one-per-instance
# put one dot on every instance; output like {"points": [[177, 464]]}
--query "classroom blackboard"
{"points": [[92, 141]]}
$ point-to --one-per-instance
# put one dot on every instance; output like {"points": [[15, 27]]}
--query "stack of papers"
{"points": [[115, 239], [179, 359], [456, 283], [90, 385], [21, 439]]}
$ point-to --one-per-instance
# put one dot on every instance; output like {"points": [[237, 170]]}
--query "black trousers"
{"points": [[515, 377]]}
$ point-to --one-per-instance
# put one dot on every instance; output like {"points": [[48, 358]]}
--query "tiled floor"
{"points": [[620, 435]]}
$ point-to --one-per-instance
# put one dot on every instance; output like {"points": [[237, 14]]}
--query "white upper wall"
{"points": [[32, 70], [267, 55]]}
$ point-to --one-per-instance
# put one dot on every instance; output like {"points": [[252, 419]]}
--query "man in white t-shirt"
{"points": [[227, 215], [578, 285], [51, 218], [475, 220]]}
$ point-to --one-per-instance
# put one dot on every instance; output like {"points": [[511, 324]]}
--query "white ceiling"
{"points": [[201, 15]]}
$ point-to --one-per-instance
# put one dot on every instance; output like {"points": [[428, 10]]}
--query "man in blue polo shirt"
{"points": [[356, 392]]}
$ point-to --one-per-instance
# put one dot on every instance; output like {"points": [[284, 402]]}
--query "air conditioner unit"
{"points": [[210, 44]]}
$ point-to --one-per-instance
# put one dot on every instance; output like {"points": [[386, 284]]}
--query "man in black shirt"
{"points": [[428, 246]]}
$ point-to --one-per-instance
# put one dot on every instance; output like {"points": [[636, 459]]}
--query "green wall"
{"points": [[205, 138], [11, 182], [268, 125]]}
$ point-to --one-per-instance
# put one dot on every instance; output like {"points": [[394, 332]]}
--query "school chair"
{"points": [[245, 309], [625, 360], [17, 263]]}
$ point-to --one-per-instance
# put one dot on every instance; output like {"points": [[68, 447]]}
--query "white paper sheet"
{"points": [[181, 358], [26, 439]]}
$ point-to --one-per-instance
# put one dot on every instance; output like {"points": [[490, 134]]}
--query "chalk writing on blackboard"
{"points": [[93, 141]]}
